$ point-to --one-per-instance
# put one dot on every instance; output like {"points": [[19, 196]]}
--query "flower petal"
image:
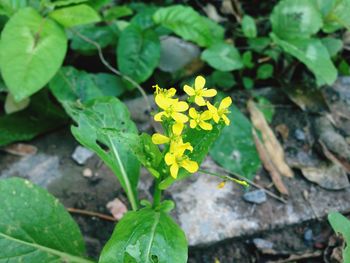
{"points": [[199, 83], [211, 108], [207, 115], [163, 102], [177, 128], [205, 126], [199, 100], [226, 120], [169, 158], [159, 115], [179, 117], [193, 113], [193, 124], [189, 165], [180, 106], [158, 138], [189, 90], [174, 169], [225, 103], [171, 92], [209, 93]]}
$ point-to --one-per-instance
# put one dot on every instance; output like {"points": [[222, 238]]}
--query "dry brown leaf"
{"points": [[334, 159], [21, 149], [272, 145], [269, 166], [283, 130]]}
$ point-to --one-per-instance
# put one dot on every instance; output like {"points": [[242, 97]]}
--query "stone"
{"points": [[256, 197], [81, 155], [87, 172]]}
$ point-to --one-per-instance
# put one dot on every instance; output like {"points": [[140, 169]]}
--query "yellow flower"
{"points": [[162, 94], [176, 160], [220, 113], [199, 119], [199, 91], [171, 108]]}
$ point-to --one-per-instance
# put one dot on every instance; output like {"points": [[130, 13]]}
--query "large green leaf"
{"points": [[223, 57], [35, 227], [102, 125], [335, 14], [9, 7], [189, 25], [146, 236], [72, 85], [235, 149], [32, 49], [296, 19], [41, 116], [249, 27], [341, 224], [313, 54], [75, 15], [138, 52]]}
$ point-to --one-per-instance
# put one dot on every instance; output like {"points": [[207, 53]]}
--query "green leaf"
{"points": [[35, 227], [248, 83], [333, 45], [296, 19], [335, 14], [344, 68], [223, 57], [75, 15], [313, 54], [249, 26], [12, 106], [71, 85], [32, 49], [9, 7], [102, 126], [247, 59], [116, 12], [266, 107], [40, 116], [138, 53], [223, 80], [259, 44], [341, 224], [146, 236], [61, 3], [103, 35], [190, 25], [235, 149], [98, 4], [265, 71]]}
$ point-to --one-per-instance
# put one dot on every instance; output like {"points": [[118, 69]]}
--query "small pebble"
{"points": [[256, 197], [81, 155], [87, 172], [262, 243], [308, 235], [299, 135]]}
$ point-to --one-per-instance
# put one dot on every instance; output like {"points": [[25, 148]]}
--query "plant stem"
{"points": [[157, 195]]}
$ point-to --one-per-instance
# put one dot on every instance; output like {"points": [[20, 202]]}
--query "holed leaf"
{"points": [[189, 25], [102, 126], [32, 49], [138, 52], [146, 236], [35, 227]]}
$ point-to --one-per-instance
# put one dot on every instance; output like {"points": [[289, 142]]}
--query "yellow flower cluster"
{"points": [[174, 118]]}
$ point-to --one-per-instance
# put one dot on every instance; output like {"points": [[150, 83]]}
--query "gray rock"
{"points": [[256, 197], [262, 244], [299, 135], [81, 155]]}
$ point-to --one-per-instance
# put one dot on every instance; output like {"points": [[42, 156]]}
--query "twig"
{"points": [[225, 177], [294, 258], [90, 213], [240, 177], [115, 71]]}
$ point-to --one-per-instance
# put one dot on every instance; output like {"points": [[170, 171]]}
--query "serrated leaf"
{"points": [[235, 149], [42, 115], [249, 26], [313, 54], [32, 49], [138, 52], [190, 25], [75, 15], [296, 19], [102, 126], [341, 224], [223, 57], [146, 236], [35, 227]]}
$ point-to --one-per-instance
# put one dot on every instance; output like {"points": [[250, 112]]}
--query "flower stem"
{"points": [[157, 194]]}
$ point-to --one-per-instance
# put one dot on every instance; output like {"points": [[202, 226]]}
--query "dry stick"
{"points": [[115, 71], [293, 258], [240, 177], [90, 213]]}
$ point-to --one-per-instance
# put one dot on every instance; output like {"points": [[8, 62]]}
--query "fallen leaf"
{"points": [[270, 142], [269, 166], [283, 130], [117, 208], [330, 156], [21, 149]]}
